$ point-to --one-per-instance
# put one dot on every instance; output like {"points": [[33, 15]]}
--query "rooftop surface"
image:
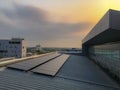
{"points": [[77, 73]]}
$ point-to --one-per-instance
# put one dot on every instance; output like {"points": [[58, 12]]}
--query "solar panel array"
{"points": [[51, 67], [29, 64]]}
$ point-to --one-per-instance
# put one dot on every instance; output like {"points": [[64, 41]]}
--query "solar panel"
{"points": [[51, 67], [29, 64]]}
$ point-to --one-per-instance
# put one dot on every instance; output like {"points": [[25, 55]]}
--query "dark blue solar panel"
{"points": [[51, 67], [29, 64]]}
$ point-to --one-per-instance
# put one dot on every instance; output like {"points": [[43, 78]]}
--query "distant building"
{"points": [[38, 47], [71, 51], [15, 47], [31, 51], [34, 50]]}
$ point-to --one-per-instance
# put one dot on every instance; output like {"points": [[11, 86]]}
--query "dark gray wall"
{"points": [[115, 20], [110, 22], [101, 26], [105, 31]]}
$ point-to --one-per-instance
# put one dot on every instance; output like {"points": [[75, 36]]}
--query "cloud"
{"points": [[34, 24]]}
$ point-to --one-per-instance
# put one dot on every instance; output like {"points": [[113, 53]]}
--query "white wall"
{"points": [[13, 50]]}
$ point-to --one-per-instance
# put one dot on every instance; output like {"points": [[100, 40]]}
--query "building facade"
{"points": [[102, 44], [15, 47], [38, 47]]}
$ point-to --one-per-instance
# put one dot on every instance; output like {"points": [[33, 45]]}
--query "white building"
{"points": [[15, 47], [38, 47]]}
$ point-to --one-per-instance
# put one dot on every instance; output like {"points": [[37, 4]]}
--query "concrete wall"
{"points": [[101, 26], [110, 22], [115, 20], [12, 50]]}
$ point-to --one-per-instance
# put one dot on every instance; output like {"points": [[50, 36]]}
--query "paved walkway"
{"points": [[80, 68]]}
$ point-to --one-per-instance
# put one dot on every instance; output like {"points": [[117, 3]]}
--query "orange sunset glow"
{"points": [[64, 22]]}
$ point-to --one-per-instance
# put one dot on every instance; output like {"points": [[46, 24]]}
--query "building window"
{"points": [[111, 51], [3, 51], [14, 42]]}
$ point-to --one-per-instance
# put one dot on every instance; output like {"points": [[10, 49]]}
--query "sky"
{"points": [[52, 23]]}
